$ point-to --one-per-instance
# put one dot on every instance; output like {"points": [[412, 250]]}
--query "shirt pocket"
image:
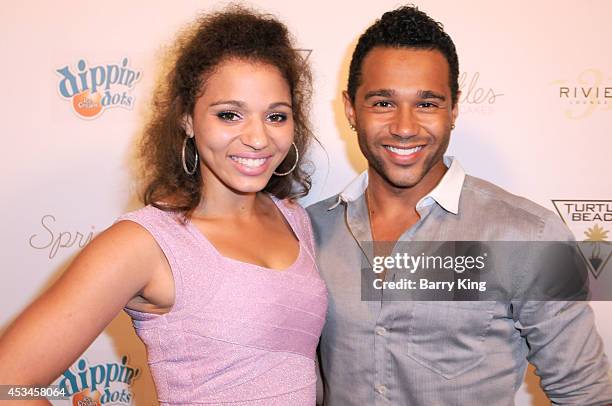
{"points": [[449, 337]]}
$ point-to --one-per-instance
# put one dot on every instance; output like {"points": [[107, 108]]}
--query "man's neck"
{"points": [[385, 197], [392, 210]]}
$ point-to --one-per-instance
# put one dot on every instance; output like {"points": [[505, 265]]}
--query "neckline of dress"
{"points": [[281, 207]]}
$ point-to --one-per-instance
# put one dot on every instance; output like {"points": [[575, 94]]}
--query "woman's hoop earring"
{"points": [[297, 158], [183, 157]]}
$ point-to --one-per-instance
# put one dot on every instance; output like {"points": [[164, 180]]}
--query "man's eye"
{"points": [[228, 116], [382, 104], [427, 105], [277, 117]]}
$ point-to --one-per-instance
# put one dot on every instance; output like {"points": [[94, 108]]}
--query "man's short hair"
{"points": [[405, 27]]}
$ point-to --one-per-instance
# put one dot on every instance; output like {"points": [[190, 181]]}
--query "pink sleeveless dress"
{"points": [[238, 333]]}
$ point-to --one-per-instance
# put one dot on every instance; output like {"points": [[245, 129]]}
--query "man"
{"points": [[402, 102]]}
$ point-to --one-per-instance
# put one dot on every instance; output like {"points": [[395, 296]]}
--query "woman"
{"points": [[217, 271]]}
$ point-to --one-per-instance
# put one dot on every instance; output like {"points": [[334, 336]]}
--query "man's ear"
{"points": [[349, 110], [455, 111], [187, 123]]}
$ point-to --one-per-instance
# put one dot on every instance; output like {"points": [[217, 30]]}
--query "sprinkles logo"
{"points": [[93, 89], [475, 97]]}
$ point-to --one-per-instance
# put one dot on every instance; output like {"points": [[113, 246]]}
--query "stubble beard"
{"points": [[379, 165]]}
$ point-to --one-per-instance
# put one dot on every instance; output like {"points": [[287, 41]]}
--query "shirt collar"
{"points": [[446, 193]]}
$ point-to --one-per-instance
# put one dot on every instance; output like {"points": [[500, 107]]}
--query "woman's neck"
{"points": [[220, 201]]}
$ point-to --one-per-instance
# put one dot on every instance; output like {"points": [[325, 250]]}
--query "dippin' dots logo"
{"points": [[96, 385], [93, 89]]}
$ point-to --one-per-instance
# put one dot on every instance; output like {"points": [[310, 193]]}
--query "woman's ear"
{"points": [[188, 125]]}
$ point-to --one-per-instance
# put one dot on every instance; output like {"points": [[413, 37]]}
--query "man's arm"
{"points": [[563, 342], [567, 352]]}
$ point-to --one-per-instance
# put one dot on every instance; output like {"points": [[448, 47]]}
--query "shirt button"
{"points": [[380, 331], [381, 389]]}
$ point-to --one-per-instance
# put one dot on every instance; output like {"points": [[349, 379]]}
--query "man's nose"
{"points": [[405, 123]]}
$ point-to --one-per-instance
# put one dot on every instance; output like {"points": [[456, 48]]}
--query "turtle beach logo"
{"points": [[94, 89], [97, 385], [591, 222], [590, 92]]}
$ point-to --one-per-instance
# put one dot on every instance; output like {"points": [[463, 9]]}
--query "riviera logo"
{"points": [[589, 93], [94, 89], [96, 385]]}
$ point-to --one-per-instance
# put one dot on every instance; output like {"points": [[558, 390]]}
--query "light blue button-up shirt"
{"points": [[449, 353]]}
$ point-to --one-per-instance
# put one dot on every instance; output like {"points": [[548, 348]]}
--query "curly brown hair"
{"points": [[237, 33], [405, 27]]}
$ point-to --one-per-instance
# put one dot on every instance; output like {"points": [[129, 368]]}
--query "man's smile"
{"points": [[403, 150]]}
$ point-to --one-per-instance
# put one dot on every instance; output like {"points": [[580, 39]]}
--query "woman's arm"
{"points": [[54, 330]]}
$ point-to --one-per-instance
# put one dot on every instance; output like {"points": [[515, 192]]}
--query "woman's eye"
{"points": [[277, 117], [228, 116]]}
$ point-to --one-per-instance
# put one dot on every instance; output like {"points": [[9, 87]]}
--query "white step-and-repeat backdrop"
{"points": [[535, 118]]}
